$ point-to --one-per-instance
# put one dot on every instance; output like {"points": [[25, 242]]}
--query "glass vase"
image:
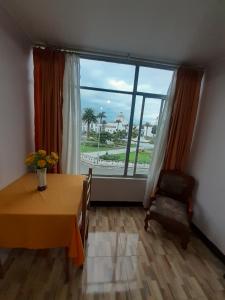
{"points": [[42, 182]]}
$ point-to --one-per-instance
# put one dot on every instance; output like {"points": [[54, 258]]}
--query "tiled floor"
{"points": [[123, 262]]}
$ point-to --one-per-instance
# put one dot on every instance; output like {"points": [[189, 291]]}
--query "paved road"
{"points": [[115, 151]]}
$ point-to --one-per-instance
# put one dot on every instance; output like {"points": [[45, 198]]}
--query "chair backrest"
{"points": [[176, 185], [88, 187], [86, 203]]}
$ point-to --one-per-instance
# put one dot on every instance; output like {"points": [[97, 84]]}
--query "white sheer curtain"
{"points": [[160, 145], [71, 116]]}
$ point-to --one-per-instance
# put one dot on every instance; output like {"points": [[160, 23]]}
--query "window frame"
{"points": [[137, 64]]}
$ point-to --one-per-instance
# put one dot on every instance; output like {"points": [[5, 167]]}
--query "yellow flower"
{"points": [[29, 160], [50, 161], [54, 156], [41, 163], [42, 153]]}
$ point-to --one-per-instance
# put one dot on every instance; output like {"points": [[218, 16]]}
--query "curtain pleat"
{"points": [[48, 100], [71, 116], [184, 111]]}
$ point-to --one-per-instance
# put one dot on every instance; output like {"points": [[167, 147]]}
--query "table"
{"points": [[39, 220]]}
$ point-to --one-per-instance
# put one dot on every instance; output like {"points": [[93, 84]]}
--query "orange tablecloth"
{"points": [[39, 220]]}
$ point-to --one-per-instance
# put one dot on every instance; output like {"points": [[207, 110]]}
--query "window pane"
{"points": [[153, 80], [148, 134], [107, 75], [104, 131], [134, 137]]}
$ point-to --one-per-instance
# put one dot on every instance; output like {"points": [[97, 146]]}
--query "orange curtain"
{"points": [[48, 99], [183, 118]]}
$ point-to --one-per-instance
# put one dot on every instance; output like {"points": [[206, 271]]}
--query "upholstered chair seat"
{"points": [[171, 209]]}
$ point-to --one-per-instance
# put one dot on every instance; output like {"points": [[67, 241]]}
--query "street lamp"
{"points": [[101, 108]]}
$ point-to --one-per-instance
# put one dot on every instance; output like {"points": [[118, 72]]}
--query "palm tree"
{"points": [[118, 121], [101, 116], [89, 117], [147, 124]]}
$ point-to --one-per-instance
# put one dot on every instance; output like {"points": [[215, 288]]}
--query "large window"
{"points": [[121, 106]]}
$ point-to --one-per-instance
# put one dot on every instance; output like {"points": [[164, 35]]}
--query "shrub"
{"points": [[109, 157]]}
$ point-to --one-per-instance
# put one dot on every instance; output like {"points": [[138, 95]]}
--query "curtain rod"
{"points": [[109, 55]]}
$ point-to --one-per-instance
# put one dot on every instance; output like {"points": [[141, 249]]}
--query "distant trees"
{"points": [[89, 117], [134, 132], [104, 137], [120, 134]]}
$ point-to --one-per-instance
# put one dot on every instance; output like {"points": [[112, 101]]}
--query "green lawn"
{"points": [[143, 157], [87, 148]]}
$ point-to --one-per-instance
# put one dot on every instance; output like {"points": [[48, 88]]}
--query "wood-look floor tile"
{"points": [[105, 270], [123, 262]]}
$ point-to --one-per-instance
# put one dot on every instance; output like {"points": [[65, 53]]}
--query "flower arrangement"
{"points": [[40, 159]]}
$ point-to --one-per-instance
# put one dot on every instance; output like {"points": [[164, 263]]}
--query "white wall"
{"points": [[16, 104], [118, 189], [208, 158]]}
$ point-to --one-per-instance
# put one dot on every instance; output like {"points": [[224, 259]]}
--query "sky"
{"points": [[121, 77]]}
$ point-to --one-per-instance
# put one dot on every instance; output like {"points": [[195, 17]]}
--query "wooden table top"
{"points": [[62, 196]]}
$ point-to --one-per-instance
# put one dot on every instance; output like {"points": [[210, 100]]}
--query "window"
{"points": [[121, 106]]}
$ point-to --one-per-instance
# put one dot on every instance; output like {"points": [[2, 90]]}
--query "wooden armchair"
{"points": [[172, 204]]}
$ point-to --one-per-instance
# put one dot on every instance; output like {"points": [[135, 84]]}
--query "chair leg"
{"points": [[86, 233], [67, 267], [147, 218]]}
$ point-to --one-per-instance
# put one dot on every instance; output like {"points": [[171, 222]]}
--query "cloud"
{"points": [[145, 87], [120, 85], [118, 103]]}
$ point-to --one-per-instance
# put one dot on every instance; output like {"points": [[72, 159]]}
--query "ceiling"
{"points": [[175, 31]]}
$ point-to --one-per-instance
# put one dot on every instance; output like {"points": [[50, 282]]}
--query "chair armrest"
{"points": [[153, 195], [151, 199]]}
